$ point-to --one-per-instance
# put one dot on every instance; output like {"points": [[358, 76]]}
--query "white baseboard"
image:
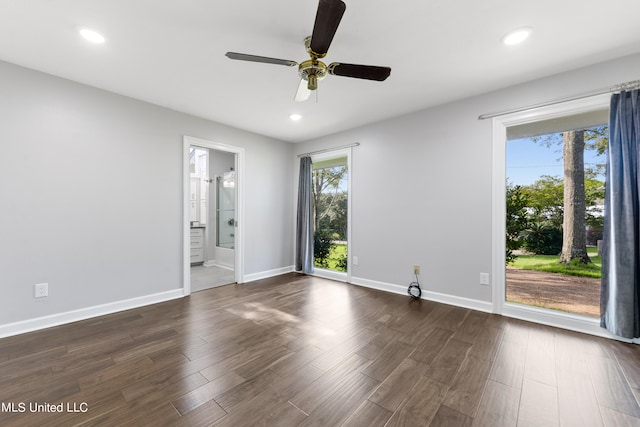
{"points": [[86, 313], [269, 273], [214, 263], [478, 305], [381, 286], [338, 276], [473, 304]]}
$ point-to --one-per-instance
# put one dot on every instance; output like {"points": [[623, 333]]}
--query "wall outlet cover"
{"points": [[484, 278], [42, 290]]}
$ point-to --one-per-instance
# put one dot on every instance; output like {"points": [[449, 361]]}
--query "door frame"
{"points": [[500, 305], [188, 142]]}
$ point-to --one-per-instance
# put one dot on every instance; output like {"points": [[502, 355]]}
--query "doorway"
{"points": [[533, 227], [555, 218], [213, 210], [331, 200]]}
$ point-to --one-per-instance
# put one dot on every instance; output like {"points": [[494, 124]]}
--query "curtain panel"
{"points": [[619, 296], [304, 222]]}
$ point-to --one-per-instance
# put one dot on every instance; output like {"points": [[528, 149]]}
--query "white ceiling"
{"points": [[171, 52]]}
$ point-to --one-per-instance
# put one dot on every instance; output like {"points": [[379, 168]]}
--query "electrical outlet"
{"points": [[355, 260], [42, 290], [416, 269], [484, 278]]}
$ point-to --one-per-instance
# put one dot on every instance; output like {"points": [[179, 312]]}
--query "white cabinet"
{"points": [[197, 245]]}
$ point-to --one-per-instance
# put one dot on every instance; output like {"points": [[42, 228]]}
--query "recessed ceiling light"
{"points": [[516, 36], [91, 35], [295, 117]]}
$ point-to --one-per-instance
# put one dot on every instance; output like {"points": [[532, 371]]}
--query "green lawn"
{"points": [[335, 253], [550, 264]]}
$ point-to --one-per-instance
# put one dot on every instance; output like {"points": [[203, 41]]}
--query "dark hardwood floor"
{"points": [[302, 351]]}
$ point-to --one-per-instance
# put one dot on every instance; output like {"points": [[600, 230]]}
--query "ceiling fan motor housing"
{"points": [[312, 70]]}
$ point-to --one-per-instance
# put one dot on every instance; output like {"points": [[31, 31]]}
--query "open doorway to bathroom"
{"points": [[212, 215]]}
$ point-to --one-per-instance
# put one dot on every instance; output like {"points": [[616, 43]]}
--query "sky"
{"points": [[526, 161]]}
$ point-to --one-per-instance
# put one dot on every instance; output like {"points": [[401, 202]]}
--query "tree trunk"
{"points": [[573, 227]]}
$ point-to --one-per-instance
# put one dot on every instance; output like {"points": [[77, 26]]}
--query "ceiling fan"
{"points": [[326, 24]]}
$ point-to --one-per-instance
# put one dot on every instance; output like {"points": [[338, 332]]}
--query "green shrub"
{"points": [[543, 239], [341, 264], [517, 220], [322, 244]]}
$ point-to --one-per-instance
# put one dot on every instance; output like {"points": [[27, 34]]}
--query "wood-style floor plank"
{"points": [[508, 367], [421, 405], [538, 405], [398, 384], [389, 359], [611, 387], [614, 418], [446, 364], [540, 360], [628, 356], [207, 392], [498, 407], [431, 345], [368, 414], [295, 350], [447, 417], [472, 325], [342, 403], [466, 390], [577, 401]]}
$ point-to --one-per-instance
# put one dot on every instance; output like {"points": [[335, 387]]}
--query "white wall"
{"points": [[422, 186], [91, 193]]}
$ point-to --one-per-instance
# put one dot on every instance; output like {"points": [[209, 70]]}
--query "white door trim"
{"points": [[189, 141]]}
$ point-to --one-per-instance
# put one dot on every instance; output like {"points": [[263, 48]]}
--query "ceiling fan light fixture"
{"points": [[516, 36], [312, 82], [92, 35]]}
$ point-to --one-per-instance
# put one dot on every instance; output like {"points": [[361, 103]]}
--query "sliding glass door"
{"points": [[330, 186], [550, 185]]}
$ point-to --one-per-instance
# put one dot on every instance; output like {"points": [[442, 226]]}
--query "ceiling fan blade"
{"points": [[369, 72], [263, 59], [327, 20], [303, 93]]}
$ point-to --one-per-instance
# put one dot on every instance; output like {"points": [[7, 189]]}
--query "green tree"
{"points": [[327, 193], [334, 220], [574, 243], [517, 219], [594, 197], [574, 217], [545, 198]]}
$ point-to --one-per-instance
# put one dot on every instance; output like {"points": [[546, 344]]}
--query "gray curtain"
{"points": [[620, 297], [304, 224]]}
